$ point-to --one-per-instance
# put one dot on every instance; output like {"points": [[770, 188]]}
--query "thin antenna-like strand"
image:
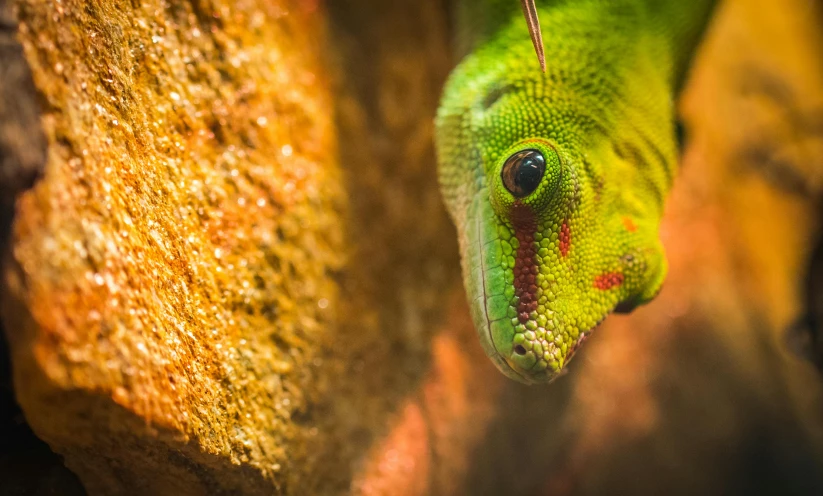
{"points": [[530, 11]]}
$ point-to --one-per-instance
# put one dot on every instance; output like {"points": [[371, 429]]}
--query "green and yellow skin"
{"points": [[556, 181]]}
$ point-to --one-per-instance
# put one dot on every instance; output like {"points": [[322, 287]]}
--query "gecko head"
{"points": [[550, 259], [557, 198]]}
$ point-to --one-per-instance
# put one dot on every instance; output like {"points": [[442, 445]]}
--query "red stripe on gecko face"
{"points": [[608, 280], [629, 224], [565, 238], [525, 264]]}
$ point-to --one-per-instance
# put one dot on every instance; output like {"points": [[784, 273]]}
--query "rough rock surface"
{"points": [[169, 288]]}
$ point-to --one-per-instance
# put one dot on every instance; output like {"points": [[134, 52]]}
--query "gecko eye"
{"points": [[523, 171]]}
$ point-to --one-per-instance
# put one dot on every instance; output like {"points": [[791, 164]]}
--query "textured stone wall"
{"points": [[169, 284]]}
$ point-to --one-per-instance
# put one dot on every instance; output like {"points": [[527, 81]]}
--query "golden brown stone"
{"points": [[169, 287]]}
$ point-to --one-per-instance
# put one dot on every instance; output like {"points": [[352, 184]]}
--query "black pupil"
{"points": [[523, 171]]}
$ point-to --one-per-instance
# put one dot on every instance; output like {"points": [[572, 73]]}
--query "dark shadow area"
{"points": [[27, 466], [390, 60], [719, 430], [805, 338], [524, 442]]}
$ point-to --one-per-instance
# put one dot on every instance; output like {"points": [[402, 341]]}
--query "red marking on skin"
{"points": [[608, 280], [525, 266], [629, 224], [565, 238]]}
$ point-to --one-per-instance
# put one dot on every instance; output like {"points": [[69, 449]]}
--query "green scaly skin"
{"points": [[543, 270]]}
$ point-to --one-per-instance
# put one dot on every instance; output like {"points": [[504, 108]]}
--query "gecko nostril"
{"points": [[520, 350]]}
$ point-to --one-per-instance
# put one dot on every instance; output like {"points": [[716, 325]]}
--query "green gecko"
{"points": [[556, 181]]}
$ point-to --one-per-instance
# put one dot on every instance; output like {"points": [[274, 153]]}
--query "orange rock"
{"points": [[168, 289]]}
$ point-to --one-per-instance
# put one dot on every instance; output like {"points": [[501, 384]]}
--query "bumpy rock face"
{"points": [[170, 295], [169, 283]]}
